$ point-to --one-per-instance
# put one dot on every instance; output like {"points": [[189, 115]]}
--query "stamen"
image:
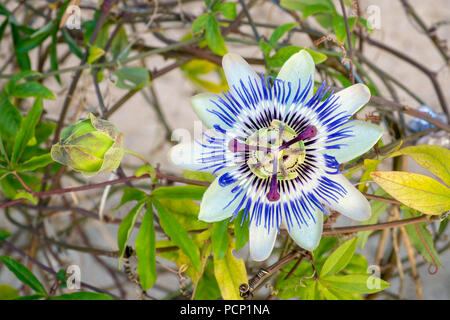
{"points": [[236, 146], [273, 194], [308, 133]]}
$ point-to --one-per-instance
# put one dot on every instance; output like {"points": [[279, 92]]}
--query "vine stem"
{"points": [[349, 40], [137, 155], [159, 175]]}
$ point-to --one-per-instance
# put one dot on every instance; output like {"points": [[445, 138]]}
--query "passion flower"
{"points": [[275, 148]]}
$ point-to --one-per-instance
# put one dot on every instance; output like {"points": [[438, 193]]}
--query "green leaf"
{"points": [[31, 297], [94, 54], [358, 265], [4, 234], [371, 166], [26, 74], [10, 119], [82, 295], [433, 158], [119, 44], [344, 81], [35, 39], [301, 5], [126, 227], [146, 251], [241, 230], [357, 283], [414, 190], [207, 287], [228, 9], [23, 274], [230, 273], [54, 65], [3, 28], [23, 60], [265, 47], [73, 47], [418, 232], [219, 238], [26, 195], [198, 175], [185, 212], [199, 24], [32, 89], [26, 131], [339, 26], [130, 194], [208, 23], [7, 292], [132, 78], [279, 32], [213, 37], [339, 258], [35, 163], [178, 234], [284, 53], [443, 225], [179, 192], [146, 169], [314, 9], [366, 24]]}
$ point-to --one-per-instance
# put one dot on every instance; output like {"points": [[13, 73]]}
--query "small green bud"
{"points": [[90, 146]]}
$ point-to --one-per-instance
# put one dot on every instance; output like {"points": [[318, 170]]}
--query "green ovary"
{"points": [[288, 159]]}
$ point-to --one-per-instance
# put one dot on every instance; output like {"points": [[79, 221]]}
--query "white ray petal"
{"points": [[365, 135], [353, 204], [261, 241], [219, 202], [298, 66]]}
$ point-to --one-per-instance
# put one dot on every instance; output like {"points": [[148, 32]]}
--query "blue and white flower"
{"points": [[275, 150]]}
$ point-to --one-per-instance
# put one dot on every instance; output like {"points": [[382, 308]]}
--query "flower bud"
{"points": [[90, 146]]}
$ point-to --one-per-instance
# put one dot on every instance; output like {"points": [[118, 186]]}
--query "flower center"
{"points": [[270, 152], [275, 152]]}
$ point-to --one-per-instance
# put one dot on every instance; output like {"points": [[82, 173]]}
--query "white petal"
{"points": [[353, 204], [261, 241], [353, 98], [185, 155], [307, 236], [237, 69], [215, 205], [203, 102], [298, 66], [188, 155], [365, 135]]}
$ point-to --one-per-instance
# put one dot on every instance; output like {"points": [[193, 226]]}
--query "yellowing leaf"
{"points": [[94, 54], [230, 273], [371, 166], [433, 158], [414, 190]]}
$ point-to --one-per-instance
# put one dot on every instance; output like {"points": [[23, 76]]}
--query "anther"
{"points": [[308, 133]]}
